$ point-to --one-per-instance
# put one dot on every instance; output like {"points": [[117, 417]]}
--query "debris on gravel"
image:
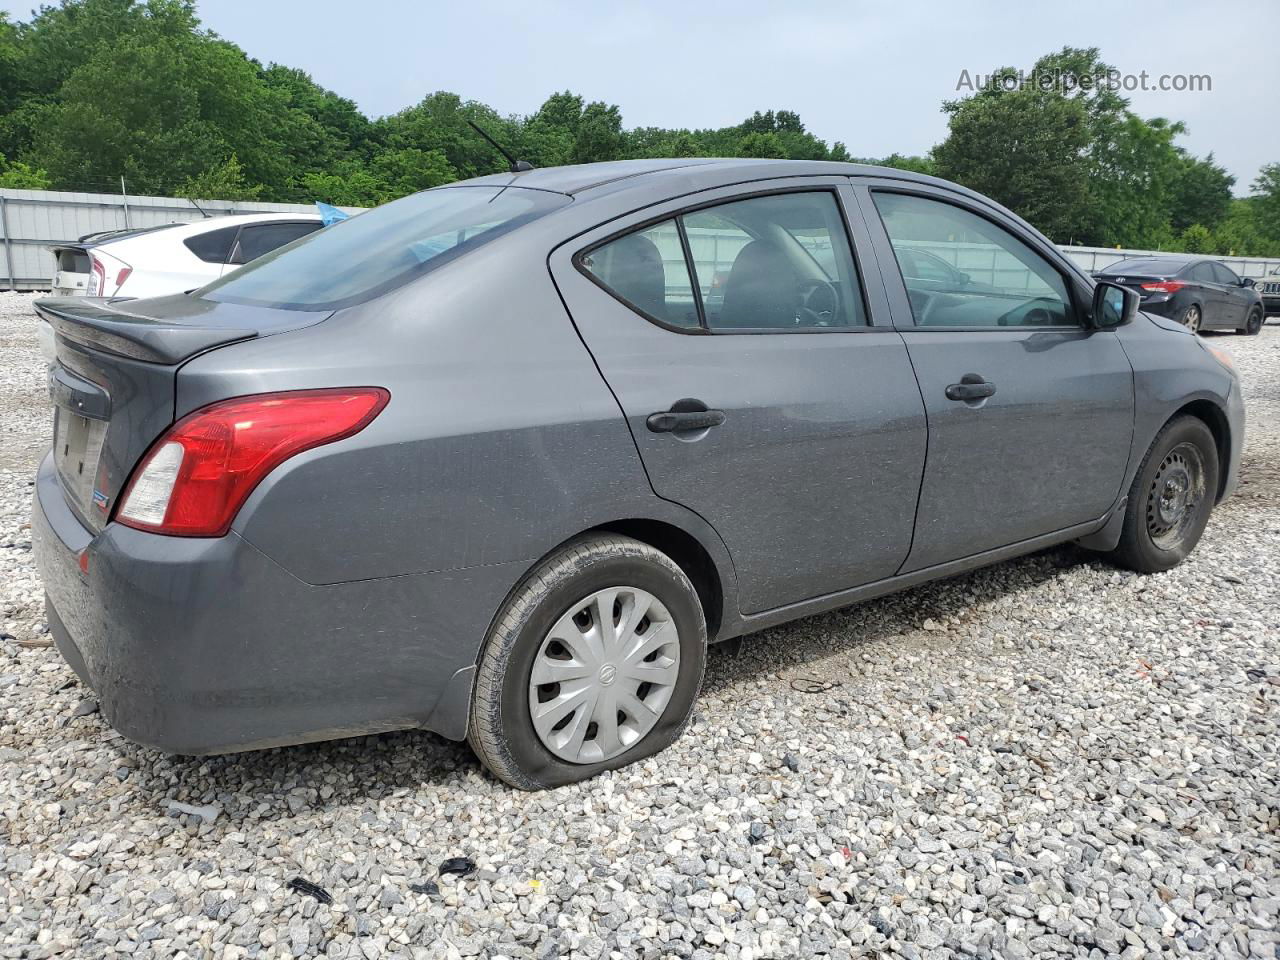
{"points": [[1049, 757]]}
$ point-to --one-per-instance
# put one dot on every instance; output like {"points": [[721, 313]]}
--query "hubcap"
{"points": [[1175, 496], [603, 675], [1192, 319]]}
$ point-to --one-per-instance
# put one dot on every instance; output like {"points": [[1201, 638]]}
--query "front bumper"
{"points": [[199, 646], [1236, 425], [1271, 304]]}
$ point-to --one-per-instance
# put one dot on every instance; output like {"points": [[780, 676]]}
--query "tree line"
{"points": [[95, 90]]}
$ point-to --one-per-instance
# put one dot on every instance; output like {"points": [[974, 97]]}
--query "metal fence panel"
{"points": [[32, 220]]}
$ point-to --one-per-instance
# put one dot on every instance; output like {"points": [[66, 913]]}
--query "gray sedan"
{"points": [[500, 459]]}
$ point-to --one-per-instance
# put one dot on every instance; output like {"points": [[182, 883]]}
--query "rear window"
{"points": [[1143, 266], [377, 251]]}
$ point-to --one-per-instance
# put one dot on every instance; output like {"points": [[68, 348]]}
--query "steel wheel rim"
{"points": [[603, 675], [1192, 319], [1175, 495]]}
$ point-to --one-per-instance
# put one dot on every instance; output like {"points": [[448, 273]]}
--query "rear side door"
{"points": [[1030, 414], [1217, 305], [760, 378], [1236, 299]]}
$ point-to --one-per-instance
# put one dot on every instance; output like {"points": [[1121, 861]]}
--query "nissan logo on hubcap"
{"points": [[608, 673]]}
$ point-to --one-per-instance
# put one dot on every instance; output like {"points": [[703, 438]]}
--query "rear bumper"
{"points": [[198, 646]]}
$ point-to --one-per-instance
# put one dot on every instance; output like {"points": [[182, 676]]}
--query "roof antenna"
{"points": [[204, 213], [514, 165]]}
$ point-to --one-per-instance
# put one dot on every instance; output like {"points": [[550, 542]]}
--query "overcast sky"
{"points": [[870, 74]]}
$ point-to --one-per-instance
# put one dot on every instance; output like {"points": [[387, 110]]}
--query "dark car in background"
{"points": [[1200, 294], [1269, 287]]}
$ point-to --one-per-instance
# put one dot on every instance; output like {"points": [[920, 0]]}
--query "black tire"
{"points": [[1192, 318], [501, 731], [1145, 545], [1253, 325]]}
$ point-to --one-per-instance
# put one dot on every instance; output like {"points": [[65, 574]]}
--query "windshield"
{"points": [[374, 252]]}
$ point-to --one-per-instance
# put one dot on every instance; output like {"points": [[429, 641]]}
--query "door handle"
{"points": [[971, 387], [675, 421]]}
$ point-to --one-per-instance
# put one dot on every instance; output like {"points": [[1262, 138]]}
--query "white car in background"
{"points": [[172, 258]]}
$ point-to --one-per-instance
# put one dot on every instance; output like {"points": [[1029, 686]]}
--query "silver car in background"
{"points": [[500, 459]]}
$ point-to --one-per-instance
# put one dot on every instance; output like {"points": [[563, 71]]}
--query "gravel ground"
{"points": [[1049, 757]]}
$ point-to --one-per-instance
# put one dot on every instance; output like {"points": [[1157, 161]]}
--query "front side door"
{"points": [[1030, 414], [760, 379]]}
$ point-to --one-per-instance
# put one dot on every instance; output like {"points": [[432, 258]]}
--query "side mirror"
{"points": [[1113, 305], [964, 279], [1246, 281]]}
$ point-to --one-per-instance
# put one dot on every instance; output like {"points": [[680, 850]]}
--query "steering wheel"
{"points": [[819, 304], [1033, 317]]}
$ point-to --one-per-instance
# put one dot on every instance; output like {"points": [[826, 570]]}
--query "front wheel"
{"points": [[594, 662], [1171, 498], [1253, 326]]}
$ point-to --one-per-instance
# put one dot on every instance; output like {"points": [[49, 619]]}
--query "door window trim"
{"points": [[1068, 281], [702, 329]]}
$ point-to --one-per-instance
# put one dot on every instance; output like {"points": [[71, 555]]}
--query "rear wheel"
{"points": [[1171, 498], [1252, 326], [594, 662], [1191, 318]]}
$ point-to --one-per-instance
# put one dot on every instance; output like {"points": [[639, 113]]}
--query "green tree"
{"points": [[1265, 205], [914, 164], [757, 144], [22, 176], [439, 122], [1196, 239], [1201, 192], [164, 104], [223, 182], [409, 170], [1024, 148]]}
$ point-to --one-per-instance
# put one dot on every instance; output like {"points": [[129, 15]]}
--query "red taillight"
{"points": [[122, 276], [198, 474], [1164, 286], [97, 277]]}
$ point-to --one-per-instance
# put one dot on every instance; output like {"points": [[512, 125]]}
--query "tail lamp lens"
{"points": [[1164, 286], [97, 277], [200, 472]]}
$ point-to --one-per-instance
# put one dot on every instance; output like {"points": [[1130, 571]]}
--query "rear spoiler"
{"points": [[115, 328]]}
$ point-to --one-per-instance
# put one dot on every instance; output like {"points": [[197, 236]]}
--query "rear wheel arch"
{"points": [[684, 549], [689, 555]]}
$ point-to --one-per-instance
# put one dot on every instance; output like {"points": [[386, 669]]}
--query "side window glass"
{"points": [[263, 238], [1203, 273], [961, 270], [779, 262], [1224, 275], [214, 246], [647, 271]]}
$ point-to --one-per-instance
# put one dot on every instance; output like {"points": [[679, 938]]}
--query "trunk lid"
{"points": [[113, 376], [1134, 281]]}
